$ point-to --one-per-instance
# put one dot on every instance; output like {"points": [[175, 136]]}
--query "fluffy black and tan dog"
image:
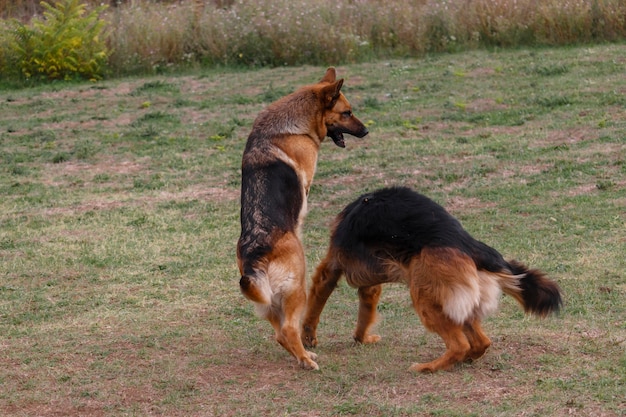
{"points": [[398, 235], [278, 165]]}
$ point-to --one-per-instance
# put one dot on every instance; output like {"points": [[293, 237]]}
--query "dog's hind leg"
{"points": [[477, 338], [323, 284], [368, 300], [434, 319], [288, 335], [286, 270], [457, 345], [286, 324]]}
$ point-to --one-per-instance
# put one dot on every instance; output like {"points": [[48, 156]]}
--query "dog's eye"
{"points": [[347, 113]]}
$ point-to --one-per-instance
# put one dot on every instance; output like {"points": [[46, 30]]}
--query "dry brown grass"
{"points": [[155, 36]]}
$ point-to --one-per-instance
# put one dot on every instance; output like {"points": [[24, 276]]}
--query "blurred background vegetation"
{"points": [[124, 37]]}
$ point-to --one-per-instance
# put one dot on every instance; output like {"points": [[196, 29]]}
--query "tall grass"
{"points": [[280, 32], [150, 36]]}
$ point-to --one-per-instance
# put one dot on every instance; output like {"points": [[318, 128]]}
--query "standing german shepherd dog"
{"points": [[278, 165], [398, 235]]}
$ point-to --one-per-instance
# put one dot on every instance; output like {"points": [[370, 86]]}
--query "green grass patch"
{"points": [[120, 215]]}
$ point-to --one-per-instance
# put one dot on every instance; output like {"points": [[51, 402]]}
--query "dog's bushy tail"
{"points": [[255, 287], [536, 293]]}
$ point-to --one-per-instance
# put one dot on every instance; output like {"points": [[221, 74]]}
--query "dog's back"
{"points": [[398, 223], [271, 205]]}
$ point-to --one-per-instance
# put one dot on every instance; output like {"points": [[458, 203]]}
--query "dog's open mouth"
{"points": [[337, 137]]}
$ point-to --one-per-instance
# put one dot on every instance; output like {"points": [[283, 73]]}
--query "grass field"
{"points": [[119, 218]]}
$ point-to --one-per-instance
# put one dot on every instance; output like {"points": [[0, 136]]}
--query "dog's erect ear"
{"points": [[331, 92], [330, 76]]}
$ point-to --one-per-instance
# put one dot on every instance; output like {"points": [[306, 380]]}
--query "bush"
{"points": [[4, 48], [65, 44]]}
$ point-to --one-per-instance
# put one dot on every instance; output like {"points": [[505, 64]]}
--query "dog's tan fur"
{"points": [[455, 281], [278, 167]]}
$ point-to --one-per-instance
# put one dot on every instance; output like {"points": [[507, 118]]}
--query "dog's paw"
{"points": [[309, 339], [309, 364], [368, 339], [422, 367], [475, 355], [312, 355], [371, 338]]}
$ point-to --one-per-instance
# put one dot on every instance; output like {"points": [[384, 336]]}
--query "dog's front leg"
{"points": [[324, 283], [368, 300]]}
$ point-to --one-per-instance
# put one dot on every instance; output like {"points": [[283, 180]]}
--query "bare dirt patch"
{"points": [[481, 72], [102, 166], [484, 105], [566, 137], [461, 204]]}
